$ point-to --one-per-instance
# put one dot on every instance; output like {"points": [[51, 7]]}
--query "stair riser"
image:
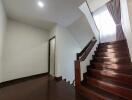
{"points": [[123, 45], [114, 66], [109, 63], [125, 79], [111, 58], [91, 95], [125, 71], [114, 44], [112, 47], [111, 55], [122, 92], [99, 59], [107, 79], [112, 61], [102, 93], [111, 50]]}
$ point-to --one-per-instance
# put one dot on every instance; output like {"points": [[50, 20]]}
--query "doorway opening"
{"points": [[52, 47], [105, 24]]}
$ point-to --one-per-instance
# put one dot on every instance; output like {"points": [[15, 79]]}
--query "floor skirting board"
{"points": [[15, 81], [58, 78]]}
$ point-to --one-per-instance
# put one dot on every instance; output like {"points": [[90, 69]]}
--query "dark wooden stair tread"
{"points": [[112, 62], [125, 71], [117, 83], [114, 43], [102, 93], [112, 59], [112, 49], [109, 46], [110, 54], [110, 71], [122, 78], [111, 88], [108, 80], [107, 52], [112, 66], [126, 57], [112, 46]]}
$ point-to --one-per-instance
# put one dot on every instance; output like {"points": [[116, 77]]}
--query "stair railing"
{"points": [[81, 57]]}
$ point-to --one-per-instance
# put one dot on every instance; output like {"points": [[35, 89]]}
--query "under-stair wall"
{"points": [[88, 59]]}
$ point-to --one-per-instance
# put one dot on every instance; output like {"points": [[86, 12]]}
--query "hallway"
{"points": [[42, 88]]}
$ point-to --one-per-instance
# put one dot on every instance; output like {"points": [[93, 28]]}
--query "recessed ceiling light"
{"points": [[40, 4]]}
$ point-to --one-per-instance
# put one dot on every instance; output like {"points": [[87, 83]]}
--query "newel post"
{"points": [[77, 74]]}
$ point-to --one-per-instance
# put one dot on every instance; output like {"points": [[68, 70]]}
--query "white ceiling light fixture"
{"points": [[40, 4]]}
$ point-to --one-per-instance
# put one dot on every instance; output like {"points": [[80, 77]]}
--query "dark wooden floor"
{"points": [[43, 88]]}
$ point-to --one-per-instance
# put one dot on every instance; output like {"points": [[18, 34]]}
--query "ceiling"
{"points": [[62, 12]]}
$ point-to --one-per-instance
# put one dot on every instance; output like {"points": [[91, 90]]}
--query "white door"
{"points": [[52, 57]]}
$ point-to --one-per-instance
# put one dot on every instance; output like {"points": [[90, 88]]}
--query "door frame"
{"points": [[54, 37]]}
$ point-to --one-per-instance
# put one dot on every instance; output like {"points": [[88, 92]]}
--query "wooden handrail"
{"points": [[81, 57], [84, 53]]}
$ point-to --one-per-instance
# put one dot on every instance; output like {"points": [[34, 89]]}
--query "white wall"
{"points": [[25, 51], [95, 4], [2, 31], [129, 2], [85, 63], [66, 49], [81, 31], [126, 11], [84, 8]]}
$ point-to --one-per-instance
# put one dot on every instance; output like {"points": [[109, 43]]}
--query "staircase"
{"points": [[109, 75]]}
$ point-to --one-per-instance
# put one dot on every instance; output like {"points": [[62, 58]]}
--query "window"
{"points": [[105, 24]]}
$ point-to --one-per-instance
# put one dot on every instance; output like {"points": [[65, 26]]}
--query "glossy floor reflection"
{"points": [[43, 88]]}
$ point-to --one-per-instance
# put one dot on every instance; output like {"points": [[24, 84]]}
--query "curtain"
{"points": [[115, 10]]}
